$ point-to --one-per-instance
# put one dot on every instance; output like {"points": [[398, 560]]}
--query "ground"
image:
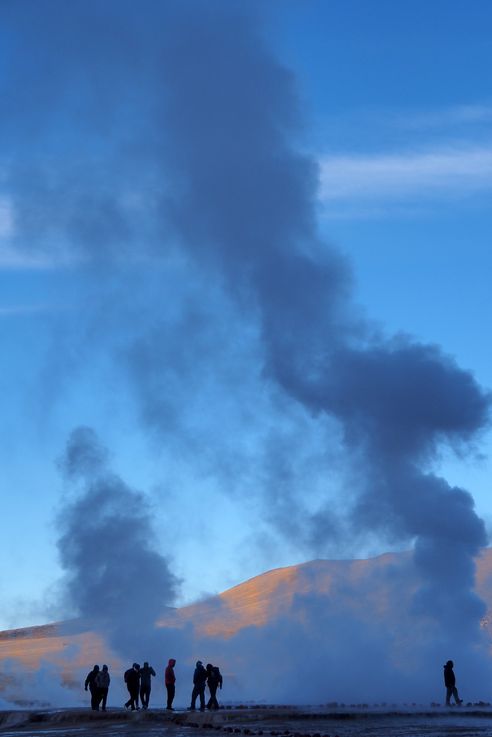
{"points": [[253, 721]]}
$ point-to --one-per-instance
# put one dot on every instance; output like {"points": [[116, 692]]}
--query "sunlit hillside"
{"points": [[255, 602]]}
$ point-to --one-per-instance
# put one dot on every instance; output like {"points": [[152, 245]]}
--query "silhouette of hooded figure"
{"points": [[214, 680], [102, 681], [146, 674], [170, 681], [450, 683], [199, 680], [90, 682], [132, 680]]}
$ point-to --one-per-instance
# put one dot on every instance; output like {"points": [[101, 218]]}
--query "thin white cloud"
{"points": [[459, 115], [406, 176], [15, 259], [6, 218], [10, 256]]}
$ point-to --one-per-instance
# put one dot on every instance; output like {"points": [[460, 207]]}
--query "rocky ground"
{"points": [[253, 722]]}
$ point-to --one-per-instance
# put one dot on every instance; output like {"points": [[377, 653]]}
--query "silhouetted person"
{"points": [[90, 683], [199, 680], [132, 680], [170, 682], [450, 683], [146, 674], [102, 682], [214, 680]]}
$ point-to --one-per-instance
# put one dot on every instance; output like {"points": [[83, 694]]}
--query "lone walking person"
{"points": [[132, 680], [146, 674], [170, 682], [90, 683], [450, 683], [199, 680]]}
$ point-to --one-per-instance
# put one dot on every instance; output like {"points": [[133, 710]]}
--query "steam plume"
{"points": [[115, 578], [247, 198]]}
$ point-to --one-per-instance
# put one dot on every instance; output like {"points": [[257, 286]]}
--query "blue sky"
{"points": [[397, 114]]}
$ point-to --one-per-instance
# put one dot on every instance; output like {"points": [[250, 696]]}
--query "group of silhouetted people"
{"points": [[97, 682], [138, 681], [139, 684], [209, 676]]}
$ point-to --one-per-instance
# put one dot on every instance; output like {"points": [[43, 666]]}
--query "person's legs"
{"points": [[144, 696], [104, 696], [95, 698], [201, 693], [212, 702], [194, 694], [170, 688], [133, 700], [449, 691], [456, 697]]}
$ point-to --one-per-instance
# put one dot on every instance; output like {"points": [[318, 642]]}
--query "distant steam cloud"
{"points": [[116, 580]]}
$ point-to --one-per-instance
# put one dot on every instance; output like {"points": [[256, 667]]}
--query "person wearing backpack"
{"points": [[214, 680]]}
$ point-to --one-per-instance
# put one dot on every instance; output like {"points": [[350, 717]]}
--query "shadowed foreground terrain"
{"points": [[254, 722]]}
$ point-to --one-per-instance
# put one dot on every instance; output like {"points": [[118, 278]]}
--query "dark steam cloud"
{"points": [[247, 197], [398, 403], [116, 580]]}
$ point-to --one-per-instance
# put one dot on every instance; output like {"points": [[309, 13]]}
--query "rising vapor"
{"points": [[116, 580], [248, 198]]}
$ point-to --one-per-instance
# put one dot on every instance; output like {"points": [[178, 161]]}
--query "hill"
{"points": [[379, 586]]}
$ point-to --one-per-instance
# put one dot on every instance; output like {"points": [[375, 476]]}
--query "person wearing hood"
{"points": [[102, 682], [132, 680], [450, 683], [146, 674], [170, 683], [90, 683], [199, 680]]}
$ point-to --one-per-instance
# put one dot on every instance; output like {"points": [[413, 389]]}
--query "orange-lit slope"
{"points": [[32, 645], [254, 602], [264, 597]]}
